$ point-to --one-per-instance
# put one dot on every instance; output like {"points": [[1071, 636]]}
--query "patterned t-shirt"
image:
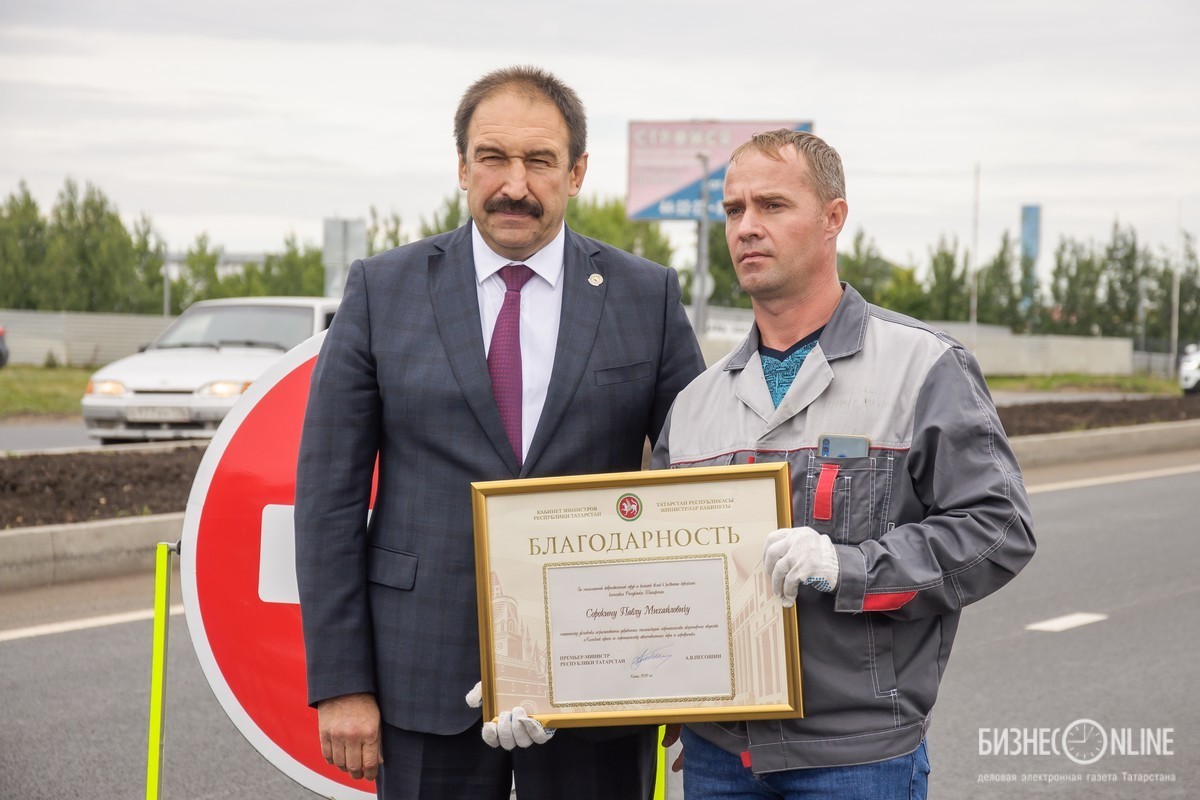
{"points": [[780, 367]]}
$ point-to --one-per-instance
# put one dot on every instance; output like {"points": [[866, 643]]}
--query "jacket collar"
{"points": [[843, 335]]}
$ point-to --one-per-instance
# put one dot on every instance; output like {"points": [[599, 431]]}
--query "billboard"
{"points": [[666, 166]]}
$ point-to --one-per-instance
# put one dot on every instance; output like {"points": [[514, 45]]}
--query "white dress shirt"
{"points": [[541, 310]]}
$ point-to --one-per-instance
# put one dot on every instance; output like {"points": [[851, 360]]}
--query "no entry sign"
{"points": [[237, 569]]}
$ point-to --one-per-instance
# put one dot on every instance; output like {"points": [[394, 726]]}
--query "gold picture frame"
{"points": [[635, 597]]}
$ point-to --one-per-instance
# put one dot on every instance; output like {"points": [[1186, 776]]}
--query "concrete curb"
{"points": [[52, 554], [1134, 440], [49, 554]]}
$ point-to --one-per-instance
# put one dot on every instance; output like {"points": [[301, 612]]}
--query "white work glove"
{"points": [[512, 728], [794, 556]]}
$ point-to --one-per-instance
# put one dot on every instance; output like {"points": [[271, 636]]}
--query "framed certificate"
{"points": [[635, 598]]}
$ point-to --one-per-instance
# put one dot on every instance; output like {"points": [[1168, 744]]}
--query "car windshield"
{"points": [[276, 327]]}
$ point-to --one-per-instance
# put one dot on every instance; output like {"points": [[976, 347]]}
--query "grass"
{"points": [[1127, 384], [56, 391], [41, 391]]}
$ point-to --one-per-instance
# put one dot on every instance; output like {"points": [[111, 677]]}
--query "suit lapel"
{"points": [[455, 302], [582, 304]]}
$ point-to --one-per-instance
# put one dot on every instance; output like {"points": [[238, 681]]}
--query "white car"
{"points": [[183, 385], [1189, 369]]}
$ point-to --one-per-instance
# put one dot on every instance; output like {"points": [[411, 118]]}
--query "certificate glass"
{"points": [[635, 598]]}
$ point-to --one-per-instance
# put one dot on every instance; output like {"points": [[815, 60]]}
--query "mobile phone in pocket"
{"points": [[843, 445]]}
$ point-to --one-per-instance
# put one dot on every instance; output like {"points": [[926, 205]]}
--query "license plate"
{"points": [[158, 414]]}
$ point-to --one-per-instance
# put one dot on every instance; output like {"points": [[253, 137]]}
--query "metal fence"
{"points": [[76, 339], [1000, 352], [1156, 365], [88, 340]]}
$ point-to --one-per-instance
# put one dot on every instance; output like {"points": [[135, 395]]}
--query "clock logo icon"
{"points": [[1084, 741]]}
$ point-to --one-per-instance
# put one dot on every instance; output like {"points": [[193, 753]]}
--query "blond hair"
{"points": [[824, 163]]}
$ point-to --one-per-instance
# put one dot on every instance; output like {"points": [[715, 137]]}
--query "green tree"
{"points": [[1029, 304], [298, 270], [878, 280], [1163, 271], [727, 291], [865, 269], [251, 280], [199, 279], [1076, 285], [1156, 327], [452, 214], [602, 219], [149, 255], [295, 271], [904, 294], [383, 233], [605, 219], [999, 297], [89, 262], [1129, 285], [1189, 292], [22, 249], [949, 299]]}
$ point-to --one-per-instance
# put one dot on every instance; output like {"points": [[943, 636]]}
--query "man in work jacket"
{"points": [[890, 545]]}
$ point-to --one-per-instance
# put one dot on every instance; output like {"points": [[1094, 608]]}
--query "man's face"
{"points": [[781, 237], [517, 173]]}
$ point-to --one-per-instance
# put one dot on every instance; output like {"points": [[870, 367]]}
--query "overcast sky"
{"points": [[249, 120]]}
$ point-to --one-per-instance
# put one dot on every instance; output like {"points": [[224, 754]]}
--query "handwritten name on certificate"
{"points": [[655, 630]]}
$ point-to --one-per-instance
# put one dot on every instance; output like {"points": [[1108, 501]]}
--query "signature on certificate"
{"points": [[650, 660]]}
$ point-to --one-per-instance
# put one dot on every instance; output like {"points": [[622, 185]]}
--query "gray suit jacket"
{"points": [[390, 608]]}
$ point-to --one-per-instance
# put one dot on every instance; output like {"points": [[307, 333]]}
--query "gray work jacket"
{"points": [[935, 517]]}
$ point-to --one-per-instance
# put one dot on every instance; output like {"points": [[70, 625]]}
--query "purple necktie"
{"points": [[504, 354]]}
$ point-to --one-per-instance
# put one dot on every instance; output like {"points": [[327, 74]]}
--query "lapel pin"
{"points": [[595, 279]]}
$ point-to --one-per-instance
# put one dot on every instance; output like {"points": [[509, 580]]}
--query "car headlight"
{"points": [[223, 388], [105, 388]]}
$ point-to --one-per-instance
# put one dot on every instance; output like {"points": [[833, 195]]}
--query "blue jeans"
{"points": [[709, 772]]}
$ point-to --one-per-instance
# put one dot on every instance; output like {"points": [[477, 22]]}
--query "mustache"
{"points": [[509, 206]]}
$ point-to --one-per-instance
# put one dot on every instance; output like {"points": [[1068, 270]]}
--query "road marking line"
{"points": [[82, 624], [1065, 623], [1084, 483], [1057, 624]]}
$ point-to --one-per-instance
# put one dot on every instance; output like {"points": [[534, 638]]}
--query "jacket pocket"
{"points": [[624, 374], [883, 665], [391, 567], [848, 498]]}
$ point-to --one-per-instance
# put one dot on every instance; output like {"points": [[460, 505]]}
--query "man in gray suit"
{"points": [[508, 348]]}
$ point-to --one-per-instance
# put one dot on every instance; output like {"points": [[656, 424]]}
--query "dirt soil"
{"points": [[77, 487]]}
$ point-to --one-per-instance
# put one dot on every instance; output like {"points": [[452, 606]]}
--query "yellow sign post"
{"points": [[158, 667], [660, 782]]}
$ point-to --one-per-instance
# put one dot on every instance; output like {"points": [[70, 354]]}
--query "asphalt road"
{"points": [[1126, 550], [1117, 539], [26, 435]]}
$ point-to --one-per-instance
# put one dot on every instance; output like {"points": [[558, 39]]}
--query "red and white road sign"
{"points": [[238, 572]]}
